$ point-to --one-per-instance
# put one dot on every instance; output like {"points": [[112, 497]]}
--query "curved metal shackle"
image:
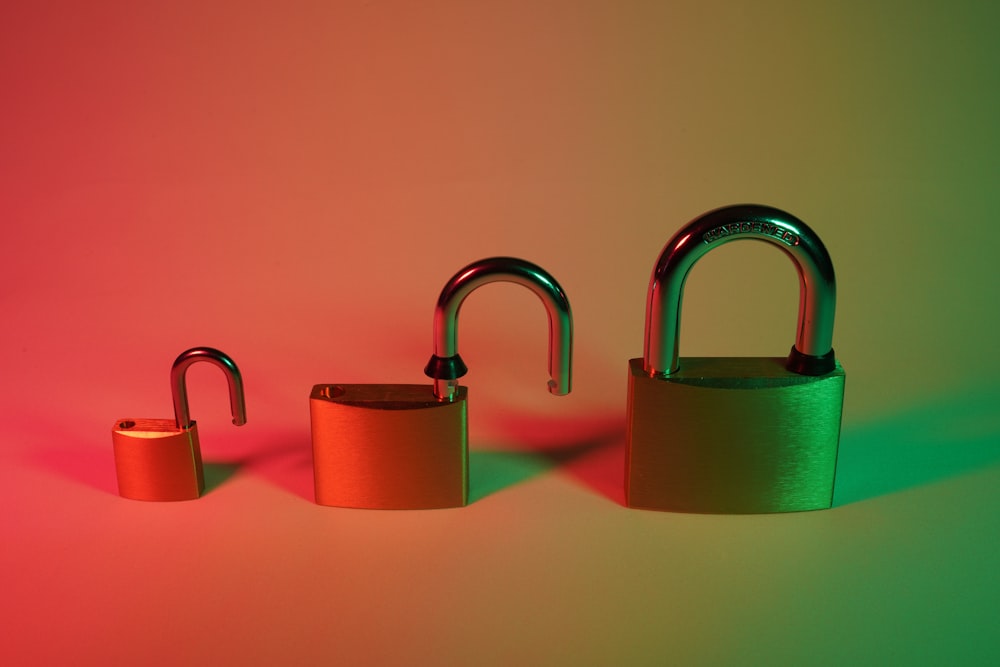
{"points": [[812, 353], [178, 388], [446, 366]]}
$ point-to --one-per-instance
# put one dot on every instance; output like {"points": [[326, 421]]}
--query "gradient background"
{"points": [[295, 184]]}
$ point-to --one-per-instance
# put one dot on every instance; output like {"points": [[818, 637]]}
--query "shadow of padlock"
{"points": [[736, 435], [405, 446], [160, 459]]}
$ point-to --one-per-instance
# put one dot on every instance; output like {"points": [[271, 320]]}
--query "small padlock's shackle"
{"points": [[446, 366], [178, 387], [812, 353]]}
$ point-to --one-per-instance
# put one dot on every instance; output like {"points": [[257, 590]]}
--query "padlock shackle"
{"points": [[813, 350], [178, 387], [446, 365]]}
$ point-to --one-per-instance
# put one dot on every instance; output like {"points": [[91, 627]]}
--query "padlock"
{"points": [[725, 435], [160, 459], [405, 446]]}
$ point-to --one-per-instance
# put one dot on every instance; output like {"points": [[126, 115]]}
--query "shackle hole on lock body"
{"points": [[178, 386], [332, 391], [812, 353], [127, 424], [446, 366]]}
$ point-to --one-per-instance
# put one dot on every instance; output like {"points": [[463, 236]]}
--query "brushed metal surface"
{"points": [[732, 435], [155, 460], [389, 446]]}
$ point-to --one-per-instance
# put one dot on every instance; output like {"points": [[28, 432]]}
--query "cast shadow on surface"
{"points": [[954, 435], [73, 454], [283, 460], [89, 465], [217, 474], [286, 462], [589, 450], [95, 467], [585, 451]]}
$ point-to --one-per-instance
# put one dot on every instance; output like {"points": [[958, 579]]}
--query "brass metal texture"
{"points": [[389, 446], [155, 460], [732, 435]]}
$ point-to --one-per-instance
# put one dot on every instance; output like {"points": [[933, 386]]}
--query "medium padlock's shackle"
{"points": [[812, 353], [446, 366], [178, 387]]}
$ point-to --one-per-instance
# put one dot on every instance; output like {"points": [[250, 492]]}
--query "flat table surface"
{"points": [[544, 566]]}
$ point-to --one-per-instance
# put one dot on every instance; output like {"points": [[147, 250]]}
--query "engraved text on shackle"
{"points": [[754, 227]]}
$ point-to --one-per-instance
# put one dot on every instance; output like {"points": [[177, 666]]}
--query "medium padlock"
{"points": [[405, 446], [736, 435], [160, 459]]}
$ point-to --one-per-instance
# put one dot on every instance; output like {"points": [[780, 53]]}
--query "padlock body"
{"points": [[155, 460], [389, 446], [732, 436]]}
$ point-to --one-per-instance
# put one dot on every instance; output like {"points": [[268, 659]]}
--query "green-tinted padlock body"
{"points": [[732, 435]]}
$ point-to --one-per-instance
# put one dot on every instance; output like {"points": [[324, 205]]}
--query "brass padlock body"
{"points": [[155, 460], [732, 435], [389, 446]]}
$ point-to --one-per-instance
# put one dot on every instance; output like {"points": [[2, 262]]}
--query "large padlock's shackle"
{"points": [[812, 353], [178, 387], [446, 366]]}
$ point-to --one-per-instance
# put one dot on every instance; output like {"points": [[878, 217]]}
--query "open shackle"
{"points": [[178, 387], [812, 353], [446, 366]]}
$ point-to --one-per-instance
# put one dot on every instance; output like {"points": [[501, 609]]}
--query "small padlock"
{"points": [[736, 435], [160, 459], [405, 446]]}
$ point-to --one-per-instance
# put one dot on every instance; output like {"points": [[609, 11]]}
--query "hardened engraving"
{"points": [[756, 227]]}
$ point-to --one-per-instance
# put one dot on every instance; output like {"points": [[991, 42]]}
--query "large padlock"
{"points": [[405, 446], [160, 459], [736, 435]]}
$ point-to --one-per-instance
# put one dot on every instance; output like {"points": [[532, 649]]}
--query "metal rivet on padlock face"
{"points": [[736, 435], [160, 459], [400, 446]]}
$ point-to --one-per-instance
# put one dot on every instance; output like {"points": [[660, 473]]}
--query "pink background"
{"points": [[294, 184]]}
